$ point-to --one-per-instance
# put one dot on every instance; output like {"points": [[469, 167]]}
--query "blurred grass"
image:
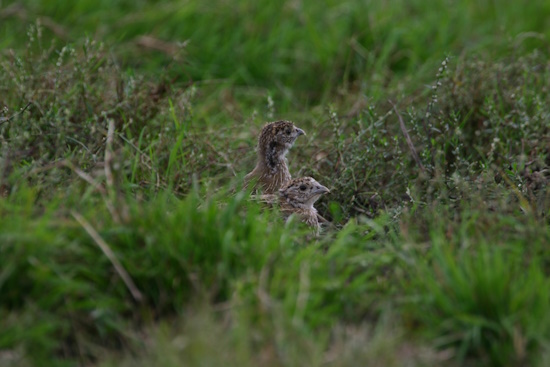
{"points": [[148, 140], [304, 49]]}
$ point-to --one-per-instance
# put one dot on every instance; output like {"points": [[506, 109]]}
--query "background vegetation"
{"points": [[127, 126]]}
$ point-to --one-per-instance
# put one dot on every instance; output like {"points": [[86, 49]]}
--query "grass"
{"points": [[127, 127]]}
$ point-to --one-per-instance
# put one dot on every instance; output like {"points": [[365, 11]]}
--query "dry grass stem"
{"points": [[110, 255]]}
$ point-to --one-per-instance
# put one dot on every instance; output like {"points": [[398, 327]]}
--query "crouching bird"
{"points": [[298, 196], [271, 171]]}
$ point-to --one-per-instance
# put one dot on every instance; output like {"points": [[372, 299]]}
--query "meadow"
{"points": [[126, 128]]}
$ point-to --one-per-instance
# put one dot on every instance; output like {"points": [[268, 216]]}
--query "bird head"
{"points": [[302, 192], [278, 137]]}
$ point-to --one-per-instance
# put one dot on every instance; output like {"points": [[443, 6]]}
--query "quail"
{"points": [[298, 196], [271, 171]]}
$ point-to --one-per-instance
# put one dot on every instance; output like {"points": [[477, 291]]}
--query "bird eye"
{"points": [[303, 187]]}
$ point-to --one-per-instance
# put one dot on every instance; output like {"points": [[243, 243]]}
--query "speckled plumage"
{"points": [[298, 196], [271, 171]]}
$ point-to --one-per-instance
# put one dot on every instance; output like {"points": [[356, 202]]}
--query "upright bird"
{"points": [[271, 170], [298, 196]]}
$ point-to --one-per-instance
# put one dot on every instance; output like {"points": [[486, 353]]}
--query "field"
{"points": [[126, 128]]}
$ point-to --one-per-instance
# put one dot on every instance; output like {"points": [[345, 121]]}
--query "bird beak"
{"points": [[300, 131], [321, 190]]}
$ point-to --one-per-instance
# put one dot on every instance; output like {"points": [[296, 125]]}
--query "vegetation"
{"points": [[126, 129]]}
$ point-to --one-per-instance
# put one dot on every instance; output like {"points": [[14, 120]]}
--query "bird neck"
{"points": [[273, 157], [306, 212], [289, 203]]}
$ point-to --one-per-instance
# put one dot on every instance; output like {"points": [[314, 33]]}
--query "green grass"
{"points": [[125, 238]]}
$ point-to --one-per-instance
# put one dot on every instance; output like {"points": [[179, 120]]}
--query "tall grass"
{"points": [[302, 50], [490, 304]]}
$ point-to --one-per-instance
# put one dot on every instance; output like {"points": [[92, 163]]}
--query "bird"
{"points": [[298, 196], [274, 142]]}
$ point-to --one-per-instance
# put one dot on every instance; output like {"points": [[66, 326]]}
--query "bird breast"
{"points": [[306, 215], [271, 181]]}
